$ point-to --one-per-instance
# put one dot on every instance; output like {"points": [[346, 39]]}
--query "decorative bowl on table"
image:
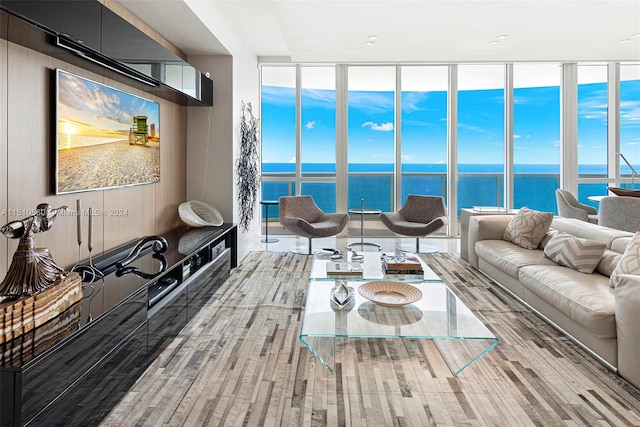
{"points": [[625, 192], [390, 293]]}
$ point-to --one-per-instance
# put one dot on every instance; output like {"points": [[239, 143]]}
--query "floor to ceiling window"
{"points": [[278, 132], [592, 131], [424, 130], [343, 132], [480, 135], [536, 139], [318, 135], [630, 119], [371, 118]]}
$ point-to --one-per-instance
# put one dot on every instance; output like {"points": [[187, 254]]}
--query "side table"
{"points": [[362, 212], [266, 204]]}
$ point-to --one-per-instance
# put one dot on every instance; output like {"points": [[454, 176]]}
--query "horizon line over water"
{"points": [[478, 185], [435, 167]]}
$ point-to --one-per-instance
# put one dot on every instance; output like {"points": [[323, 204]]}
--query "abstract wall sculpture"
{"points": [[247, 164]]}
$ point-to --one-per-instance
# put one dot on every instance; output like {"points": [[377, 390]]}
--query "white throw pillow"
{"points": [[527, 228], [630, 261]]}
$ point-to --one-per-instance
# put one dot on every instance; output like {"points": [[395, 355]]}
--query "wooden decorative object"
{"points": [[26, 347], [19, 316], [626, 192]]}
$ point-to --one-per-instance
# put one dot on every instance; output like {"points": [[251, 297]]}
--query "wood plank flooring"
{"points": [[240, 362]]}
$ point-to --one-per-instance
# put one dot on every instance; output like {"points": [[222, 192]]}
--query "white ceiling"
{"points": [[425, 31]]}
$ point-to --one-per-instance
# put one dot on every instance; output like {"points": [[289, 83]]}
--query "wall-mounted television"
{"points": [[106, 138]]}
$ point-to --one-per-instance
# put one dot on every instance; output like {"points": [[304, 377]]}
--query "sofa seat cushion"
{"points": [[585, 298], [509, 257]]}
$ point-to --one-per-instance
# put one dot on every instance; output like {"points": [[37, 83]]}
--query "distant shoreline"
{"points": [[433, 168]]}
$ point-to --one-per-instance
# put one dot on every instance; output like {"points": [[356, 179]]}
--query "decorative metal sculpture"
{"points": [[32, 269], [247, 166]]}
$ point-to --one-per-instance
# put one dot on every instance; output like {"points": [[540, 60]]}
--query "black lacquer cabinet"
{"points": [[75, 368]]}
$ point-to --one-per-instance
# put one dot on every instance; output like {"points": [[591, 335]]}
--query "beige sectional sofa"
{"points": [[603, 319]]}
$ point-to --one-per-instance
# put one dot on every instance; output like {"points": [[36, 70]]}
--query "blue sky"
{"points": [[89, 108], [480, 125]]}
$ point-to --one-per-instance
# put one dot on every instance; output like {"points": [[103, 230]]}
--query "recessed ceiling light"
{"points": [[494, 42], [501, 36], [372, 38], [635, 36], [370, 42], [624, 41]]}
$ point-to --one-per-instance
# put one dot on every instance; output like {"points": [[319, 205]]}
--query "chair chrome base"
{"points": [[302, 250], [423, 250], [363, 244], [428, 249]]}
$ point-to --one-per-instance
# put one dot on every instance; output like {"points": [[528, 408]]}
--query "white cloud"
{"points": [[310, 124], [292, 160], [384, 127], [516, 136]]}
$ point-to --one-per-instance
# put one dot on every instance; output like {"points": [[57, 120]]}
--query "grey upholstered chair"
{"points": [[570, 207], [418, 217], [301, 215], [620, 212]]}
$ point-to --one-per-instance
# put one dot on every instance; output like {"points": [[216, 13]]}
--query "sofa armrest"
{"points": [[627, 295], [485, 227]]}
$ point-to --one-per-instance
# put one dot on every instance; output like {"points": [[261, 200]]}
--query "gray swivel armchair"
{"points": [[570, 207], [620, 212], [301, 216], [418, 217]]}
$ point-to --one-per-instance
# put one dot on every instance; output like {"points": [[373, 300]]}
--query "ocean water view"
{"points": [[478, 184]]}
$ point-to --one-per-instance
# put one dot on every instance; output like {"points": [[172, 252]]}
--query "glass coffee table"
{"points": [[439, 315]]}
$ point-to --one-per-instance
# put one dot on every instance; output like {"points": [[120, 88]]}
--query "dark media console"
{"points": [[75, 368]]}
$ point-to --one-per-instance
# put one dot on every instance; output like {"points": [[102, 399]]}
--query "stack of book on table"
{"points": [[401, 264], [340, 268]]}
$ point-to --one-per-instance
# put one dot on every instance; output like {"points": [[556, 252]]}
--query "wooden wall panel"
{"points": [[122, 214], [128, 213], [173, 165], [3, 152]]}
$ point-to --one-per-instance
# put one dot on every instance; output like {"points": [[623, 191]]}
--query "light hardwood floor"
{"points": [[240, 362]]}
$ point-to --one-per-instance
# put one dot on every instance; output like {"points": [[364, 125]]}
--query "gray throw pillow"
{"points": [[608, 263], [547, 237], [582, 255], [630, 261], [527, 228]]}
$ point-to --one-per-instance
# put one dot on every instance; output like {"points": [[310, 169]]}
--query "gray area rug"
{"points": [[240, 362]]}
